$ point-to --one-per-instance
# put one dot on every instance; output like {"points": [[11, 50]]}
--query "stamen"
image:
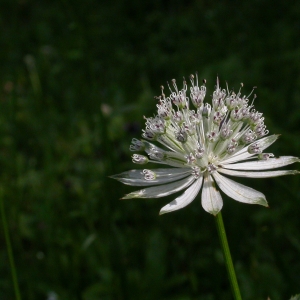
{"points": [[212, 136], [225, 131], [199, 152], [206, 110], [174, 85], [265, 156], [139, 159], [184, 85], [157, 154], [149, 175], [255, 87], [149, 135], [190, 159], [181, 136], [227, 88], [169, 87], [231, 148], [242, 85], [196, 73], [196, 172], [162, 91], [211, 168], [248, 137], [254, 149], [218, 86], [136, 145], [254, 97]]}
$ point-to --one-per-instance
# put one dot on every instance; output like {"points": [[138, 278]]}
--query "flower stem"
{"points": [[9, 248], [227, 256]]}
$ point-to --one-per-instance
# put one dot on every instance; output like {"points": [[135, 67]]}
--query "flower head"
{"points": [[199, 142]]}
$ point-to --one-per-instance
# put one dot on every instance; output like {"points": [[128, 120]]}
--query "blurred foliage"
{"points": [[76, 79]]}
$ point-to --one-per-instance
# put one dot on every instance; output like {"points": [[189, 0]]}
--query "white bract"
{"points": [[199, 145]]}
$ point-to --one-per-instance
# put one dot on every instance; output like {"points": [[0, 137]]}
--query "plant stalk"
{"points": [[9, 248], [227, 257]]}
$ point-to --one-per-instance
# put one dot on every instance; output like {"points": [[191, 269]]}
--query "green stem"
{"points": [[227, 256], [9, 248]]}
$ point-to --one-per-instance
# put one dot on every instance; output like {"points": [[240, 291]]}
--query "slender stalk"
{"points": [[227, 256], [9, 248]]}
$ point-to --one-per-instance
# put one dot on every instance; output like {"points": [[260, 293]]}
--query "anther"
{"points": [[149, 175]]}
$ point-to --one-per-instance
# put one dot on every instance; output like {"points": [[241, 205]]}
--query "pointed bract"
{"points": [[186, 198], [271, 163], [161, 190], [265, 174], [211, 199], [239, 191]]}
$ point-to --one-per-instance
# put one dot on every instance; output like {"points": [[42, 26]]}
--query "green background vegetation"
{"points": [[76, 79]]}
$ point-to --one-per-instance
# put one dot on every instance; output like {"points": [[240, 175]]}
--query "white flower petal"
{"points": [[186, 198], [239, 191], [250, 174], [137, 177], [271, 163], [161, 190], [211, 199], [263, 143]]}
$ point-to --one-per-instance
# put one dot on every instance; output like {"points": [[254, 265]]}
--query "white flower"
{"points": [[200, 145]]}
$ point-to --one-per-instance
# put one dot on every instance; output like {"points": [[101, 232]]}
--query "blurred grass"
{"points": [[76, 79]]}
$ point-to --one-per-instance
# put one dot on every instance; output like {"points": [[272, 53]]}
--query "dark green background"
{"points": [[76, 79]]}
